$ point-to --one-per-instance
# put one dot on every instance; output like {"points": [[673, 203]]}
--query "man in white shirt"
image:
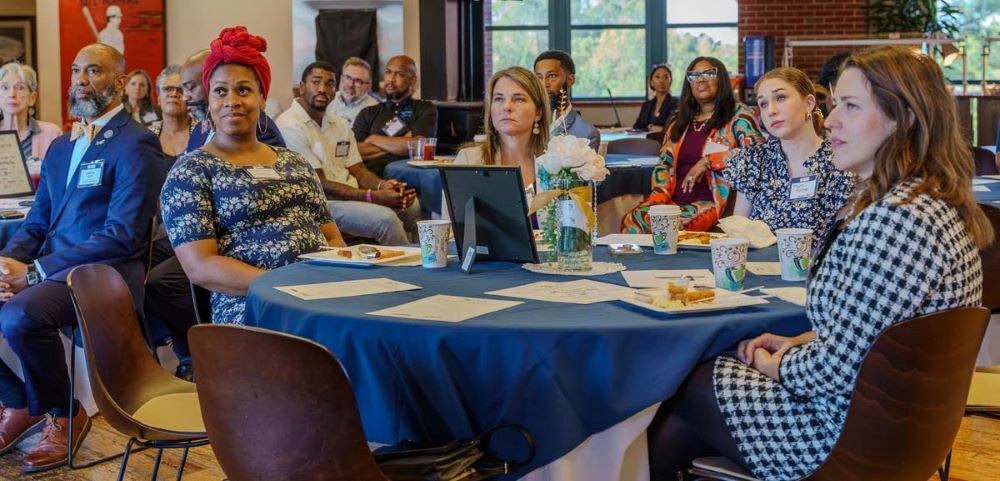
{"points": [[355, 90], [363, 204]]}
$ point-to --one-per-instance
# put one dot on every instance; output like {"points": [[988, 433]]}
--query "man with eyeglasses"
{"points": [[383, 130], [355, 90], [557, 72]]}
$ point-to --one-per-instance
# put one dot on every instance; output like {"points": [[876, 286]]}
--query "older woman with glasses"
{"points": [[18, 94], [709, 128], [655, 111], [174, 130]]}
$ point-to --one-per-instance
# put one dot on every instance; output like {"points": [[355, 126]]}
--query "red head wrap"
{"points": [[236, 45]]}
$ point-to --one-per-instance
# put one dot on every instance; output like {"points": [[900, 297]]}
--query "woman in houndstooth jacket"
{"points": [[906, 245]]}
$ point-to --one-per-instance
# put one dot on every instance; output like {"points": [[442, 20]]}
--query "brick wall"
{"points": [[781, 18]]}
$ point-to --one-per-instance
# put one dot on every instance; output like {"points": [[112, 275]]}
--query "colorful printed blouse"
{"points": [[264, 223]]}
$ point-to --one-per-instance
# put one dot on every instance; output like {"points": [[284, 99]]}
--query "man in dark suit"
{"points": [[95, 202]]}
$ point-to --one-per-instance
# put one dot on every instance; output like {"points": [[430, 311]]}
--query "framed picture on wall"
{"points": [[17, 40], [137, 28]]}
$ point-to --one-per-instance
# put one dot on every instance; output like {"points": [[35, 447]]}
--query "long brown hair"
{"points": [[536, 92], [801, 83], [927, 144]]}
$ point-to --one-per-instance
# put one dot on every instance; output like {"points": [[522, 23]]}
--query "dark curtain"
{"points": [[348, 33]]}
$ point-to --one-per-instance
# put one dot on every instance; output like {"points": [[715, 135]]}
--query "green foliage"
{"points": [[925, 16], [614, 59], [512, 48], [977, 19], [684, 45], [527, 12], [605, 12]]}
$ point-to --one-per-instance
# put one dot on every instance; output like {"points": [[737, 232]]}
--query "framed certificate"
{"points": [[14, 178]]}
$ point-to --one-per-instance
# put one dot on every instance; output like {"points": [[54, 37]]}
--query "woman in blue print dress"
{"points": [[237, 207]]}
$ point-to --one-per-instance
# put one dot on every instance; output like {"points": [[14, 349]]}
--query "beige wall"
{"points": [[191, 25]]}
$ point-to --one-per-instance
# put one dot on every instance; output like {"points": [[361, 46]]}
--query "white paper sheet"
{"points": [[331, 290], [795, 295], [583, 291], [987, 179], [15, 203], [645, 161], [991, 176], [446, 308], [644, 240], [659, 278], [980, 188], [764, 268]]}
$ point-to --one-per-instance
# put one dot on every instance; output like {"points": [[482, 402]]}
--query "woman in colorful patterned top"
{"points": [[912, 228], [709, 128], [237, 207], [789, 180]]}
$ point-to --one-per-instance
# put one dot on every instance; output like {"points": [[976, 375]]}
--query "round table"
{"points": [[427, 181], [990, 196], [563, 371]]}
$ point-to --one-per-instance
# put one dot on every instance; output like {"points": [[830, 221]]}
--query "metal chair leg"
{"points": [[156, 464], [128, 451], [180, 467], [72, 401], [944, 471]]}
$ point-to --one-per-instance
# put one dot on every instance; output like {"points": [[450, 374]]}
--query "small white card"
{"points": [[713, 148], [795, 295], [802, 188], [583, 291], [980, 188], [986, 179], [764, 268], [659, 278], [332, 290], [262, 173], [643, 240], [446, 308]]}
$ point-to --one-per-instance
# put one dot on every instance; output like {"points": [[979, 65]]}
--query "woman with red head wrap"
{"points": [[237, 207]]}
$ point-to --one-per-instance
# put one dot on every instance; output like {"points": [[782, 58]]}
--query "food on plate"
{"points": [[679, 294], [368, 253], [697, 237]]}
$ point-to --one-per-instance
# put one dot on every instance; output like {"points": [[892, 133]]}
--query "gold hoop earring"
{"points": [[809, 116], [535, 130]]}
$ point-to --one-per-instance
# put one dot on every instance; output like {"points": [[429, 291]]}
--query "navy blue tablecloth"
{"points": [[563, 371], [427, 181], [992, 197]]}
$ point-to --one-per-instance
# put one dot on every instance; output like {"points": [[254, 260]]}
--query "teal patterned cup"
{"points": [[663, 222], [434, 242], [729, 262], [794, 249]]}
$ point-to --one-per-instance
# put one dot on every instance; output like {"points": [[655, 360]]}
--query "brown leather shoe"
{"points": [[53, 449], [15, 425]]}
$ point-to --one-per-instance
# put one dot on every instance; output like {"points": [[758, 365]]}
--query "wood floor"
{"points": [[976, 457]]}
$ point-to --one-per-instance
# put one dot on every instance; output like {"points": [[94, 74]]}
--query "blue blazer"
{"points": [[269, 135], [69, 226]]}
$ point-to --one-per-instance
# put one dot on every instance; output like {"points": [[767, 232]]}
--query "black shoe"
{"points": [[185, 371]]}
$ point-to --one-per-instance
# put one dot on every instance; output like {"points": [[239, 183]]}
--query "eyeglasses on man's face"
{"points": [[347, 79], [703, 75]]}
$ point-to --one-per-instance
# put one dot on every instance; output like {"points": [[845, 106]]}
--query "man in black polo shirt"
{"points": [[382, 130]]}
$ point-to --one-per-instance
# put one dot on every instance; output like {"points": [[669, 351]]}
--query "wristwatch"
{"points": [[32, 276]]}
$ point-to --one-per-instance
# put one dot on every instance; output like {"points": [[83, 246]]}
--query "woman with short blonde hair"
{"points": [[18, 95]]}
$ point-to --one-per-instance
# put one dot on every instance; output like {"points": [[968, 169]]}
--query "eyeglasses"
{"points": [[706, 75], [170, 90], [347, 79]]}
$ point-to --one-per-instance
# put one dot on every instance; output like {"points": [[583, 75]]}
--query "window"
{"points": [[614, 43]]}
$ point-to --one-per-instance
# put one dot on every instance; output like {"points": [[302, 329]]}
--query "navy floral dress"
{"points": [[264, 223], [760, 172]]}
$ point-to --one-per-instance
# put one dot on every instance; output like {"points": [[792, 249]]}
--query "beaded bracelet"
{"points": [[368, 196]]}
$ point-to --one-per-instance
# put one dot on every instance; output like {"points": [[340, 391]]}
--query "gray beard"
{"points": [[199, 114], [85, 109]]}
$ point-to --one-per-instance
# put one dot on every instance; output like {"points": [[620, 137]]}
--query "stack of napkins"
{"points": [[755, 231]]}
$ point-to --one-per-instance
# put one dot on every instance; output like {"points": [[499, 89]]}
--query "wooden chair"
{"points": [[644, 147], [136, 396], [278, 407], [907, 403], [986, 161]]}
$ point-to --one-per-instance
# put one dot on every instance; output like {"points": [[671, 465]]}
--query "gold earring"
{"points": [[535, 130], [809, 116]]}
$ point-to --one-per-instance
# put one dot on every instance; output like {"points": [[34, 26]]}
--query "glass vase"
{"points": [[573, 247]]}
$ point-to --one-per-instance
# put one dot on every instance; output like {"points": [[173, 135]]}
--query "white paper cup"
{"points": [[434, 242], [663, 222], [794, 252], [729, 262]]}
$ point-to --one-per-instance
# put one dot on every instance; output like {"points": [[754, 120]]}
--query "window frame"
{"points": [[560, 30]]}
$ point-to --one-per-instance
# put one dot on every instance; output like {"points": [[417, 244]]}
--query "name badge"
{"points": [[802, 188], [343, 147], [149, 117], [91, 174], [394, 127], [262, 173]]}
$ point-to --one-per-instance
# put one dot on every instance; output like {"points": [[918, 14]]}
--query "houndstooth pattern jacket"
{"points": [[895, 261]]}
